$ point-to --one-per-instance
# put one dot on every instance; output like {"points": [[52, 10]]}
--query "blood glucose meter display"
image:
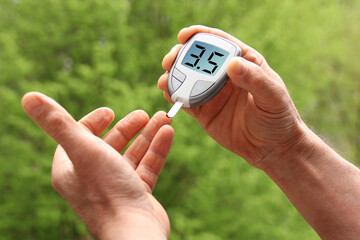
{"points": [[199, 71], [204, 58]]}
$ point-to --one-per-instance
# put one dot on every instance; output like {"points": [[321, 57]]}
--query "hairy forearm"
{"points": [[323, 186]]}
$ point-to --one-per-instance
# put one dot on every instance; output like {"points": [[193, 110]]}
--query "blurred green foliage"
{"points": [[87, 54]]}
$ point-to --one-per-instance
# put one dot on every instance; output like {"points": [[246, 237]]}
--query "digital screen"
{"points": [[204, 58]]}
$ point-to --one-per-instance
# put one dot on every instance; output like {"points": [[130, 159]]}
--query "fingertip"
{"points": [[187, 32], [169, 130], [162, 82], [32, 93], [184, 29], [107, 109], [105, 113], [141, 114], [164, 63], [162, 116], [98, 120], [236, 67], [169, 58], [137, 118], [32, 103], [26, 96], [108, 113], [181, 33], [237, 71]]}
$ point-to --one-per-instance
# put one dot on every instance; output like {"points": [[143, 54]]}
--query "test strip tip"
{"points": [[175, 108]]}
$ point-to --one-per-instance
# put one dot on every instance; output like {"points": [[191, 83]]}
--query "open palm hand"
{"points": [[110, 192]]}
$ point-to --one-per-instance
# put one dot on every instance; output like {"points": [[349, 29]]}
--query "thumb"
{"points": [[78, 143], [268, 94]]}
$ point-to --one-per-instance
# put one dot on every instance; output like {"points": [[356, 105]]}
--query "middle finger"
{"points": [[122, 133]]}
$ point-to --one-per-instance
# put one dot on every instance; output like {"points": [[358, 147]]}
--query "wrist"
{"points": [[304, 146], [275, 153], [321, 185], [132, 225]]}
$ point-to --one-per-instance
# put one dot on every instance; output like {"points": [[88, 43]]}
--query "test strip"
{"points": [[174, 110]]}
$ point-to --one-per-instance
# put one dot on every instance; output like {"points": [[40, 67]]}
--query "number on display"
{"points": [[210, 60]]}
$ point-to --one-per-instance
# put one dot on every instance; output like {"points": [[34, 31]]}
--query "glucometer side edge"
{"points": [[171, 90]]}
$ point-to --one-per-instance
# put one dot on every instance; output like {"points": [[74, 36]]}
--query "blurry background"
{"points": [[88, 54]]}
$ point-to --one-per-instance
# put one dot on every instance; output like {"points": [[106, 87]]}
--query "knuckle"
{"points": [[255, 57], [56, 124], [148, 176], [162, 82], [123, 130], [261, 61]]}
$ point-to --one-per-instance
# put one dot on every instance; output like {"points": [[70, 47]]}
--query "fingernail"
{"points": [[240, 66], [33, 106]]}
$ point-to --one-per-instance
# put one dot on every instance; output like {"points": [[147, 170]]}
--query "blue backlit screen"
{"points": [[205, 58]]}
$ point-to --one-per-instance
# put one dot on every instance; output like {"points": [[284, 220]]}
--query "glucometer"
{"points": [[199, 71]]}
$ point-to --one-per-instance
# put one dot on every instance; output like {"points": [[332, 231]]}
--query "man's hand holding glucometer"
{"points": [[254, 116]]}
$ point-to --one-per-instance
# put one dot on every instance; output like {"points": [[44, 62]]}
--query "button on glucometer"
{"points": [[200, 87], [179, 75], [175, 83]]}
